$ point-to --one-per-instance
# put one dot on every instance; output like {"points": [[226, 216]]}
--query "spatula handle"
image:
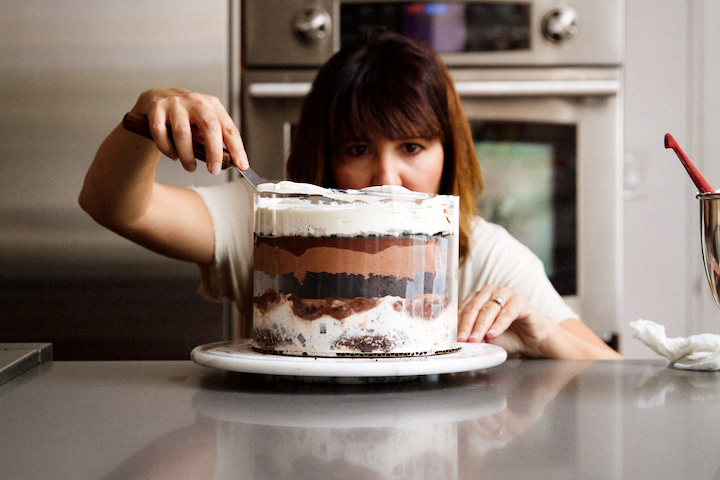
{"points": [[138, 124]]}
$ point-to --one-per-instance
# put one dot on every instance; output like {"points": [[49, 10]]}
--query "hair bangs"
{"points": [[375, 110]]}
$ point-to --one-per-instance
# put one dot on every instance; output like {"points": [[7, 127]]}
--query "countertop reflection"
{"points": [[537, 419]]}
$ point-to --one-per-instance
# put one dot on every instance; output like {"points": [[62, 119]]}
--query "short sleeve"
{"points": [[231, 274]]}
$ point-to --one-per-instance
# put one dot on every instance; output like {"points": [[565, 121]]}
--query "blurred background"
{"points": [[70, 69]]}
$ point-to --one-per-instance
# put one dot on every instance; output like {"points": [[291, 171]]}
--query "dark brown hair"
{"points": [[392, 87]]}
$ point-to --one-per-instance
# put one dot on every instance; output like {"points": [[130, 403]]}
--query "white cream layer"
{"points": [[376, 211]]}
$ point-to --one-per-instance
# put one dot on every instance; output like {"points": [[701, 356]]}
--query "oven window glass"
{"points": [[529, 171], [446, 27]]}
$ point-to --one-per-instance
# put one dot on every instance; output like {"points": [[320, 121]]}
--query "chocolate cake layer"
{"points": [[322, 285], [297, 245]]}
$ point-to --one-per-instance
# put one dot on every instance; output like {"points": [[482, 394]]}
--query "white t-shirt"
{"points": [[495, 257]]}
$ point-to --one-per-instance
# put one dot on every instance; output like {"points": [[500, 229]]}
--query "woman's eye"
{"points": [[412, 147], [356, 150]]}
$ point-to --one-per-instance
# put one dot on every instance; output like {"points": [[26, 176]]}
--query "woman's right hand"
{"points": [[120, 191], [183, 112]]}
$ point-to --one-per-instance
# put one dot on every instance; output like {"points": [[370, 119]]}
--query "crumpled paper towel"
{"points": [[696, 352]]}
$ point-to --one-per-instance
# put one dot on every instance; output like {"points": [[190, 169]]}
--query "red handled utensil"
{"points": [[702, 185]]}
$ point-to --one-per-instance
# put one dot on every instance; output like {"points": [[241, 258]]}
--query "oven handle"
{"points": [[470, 89], [279, 90], [539, 88]]}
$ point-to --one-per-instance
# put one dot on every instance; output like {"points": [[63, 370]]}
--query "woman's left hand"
{"points": [[501, 317]]}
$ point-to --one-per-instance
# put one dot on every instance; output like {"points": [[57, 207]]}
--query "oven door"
{"points": [[549, 146]]}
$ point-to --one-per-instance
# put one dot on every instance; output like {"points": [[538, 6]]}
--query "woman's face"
{"points": [[414, 163]]}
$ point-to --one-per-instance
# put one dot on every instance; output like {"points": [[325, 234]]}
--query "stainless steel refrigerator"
{"points": [[69, 71]]}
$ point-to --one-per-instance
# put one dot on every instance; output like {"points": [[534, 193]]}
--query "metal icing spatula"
{"points": [[138, 124]]}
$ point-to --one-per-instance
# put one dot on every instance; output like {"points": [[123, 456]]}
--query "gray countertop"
{"points": [[522, 419], [18, 358]]}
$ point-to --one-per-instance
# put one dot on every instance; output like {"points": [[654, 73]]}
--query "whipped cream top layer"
{"points": [[302, 209]]}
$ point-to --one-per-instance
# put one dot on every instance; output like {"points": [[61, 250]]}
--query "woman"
{"points": [[381, 111]]}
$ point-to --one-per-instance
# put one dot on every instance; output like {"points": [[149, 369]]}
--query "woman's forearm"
{"points": [[120, 193], [118, 186], [572, 341]]}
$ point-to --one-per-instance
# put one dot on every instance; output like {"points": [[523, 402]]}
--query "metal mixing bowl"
{"points": [[710, 237]]}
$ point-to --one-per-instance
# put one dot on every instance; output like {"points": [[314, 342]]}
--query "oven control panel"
{"points": [[312, 25], [560, 25], [305, 33]]}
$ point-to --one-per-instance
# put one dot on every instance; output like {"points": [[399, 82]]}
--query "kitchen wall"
{"points": [[69, 71]]}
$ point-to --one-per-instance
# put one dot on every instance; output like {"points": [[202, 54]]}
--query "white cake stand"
{"points": [[238, 356]]}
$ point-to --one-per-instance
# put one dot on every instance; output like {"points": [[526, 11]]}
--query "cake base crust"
{"points": [[368, 355]]}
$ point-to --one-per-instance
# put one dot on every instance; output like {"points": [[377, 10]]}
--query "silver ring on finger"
{"points": [[499, 300]]}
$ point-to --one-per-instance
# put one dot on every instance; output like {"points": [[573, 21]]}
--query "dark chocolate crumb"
{"points": [[269, 339], [366, 343]]}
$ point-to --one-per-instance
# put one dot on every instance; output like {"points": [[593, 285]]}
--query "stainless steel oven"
{"points": [[541, 84]]}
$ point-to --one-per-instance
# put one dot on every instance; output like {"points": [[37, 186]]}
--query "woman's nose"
{"points": [[387, 171]]}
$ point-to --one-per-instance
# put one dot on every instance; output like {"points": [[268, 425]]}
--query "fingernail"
{"points": [[462, 337], [190, 167], [215, 168], [492, 332], [475, 335]]}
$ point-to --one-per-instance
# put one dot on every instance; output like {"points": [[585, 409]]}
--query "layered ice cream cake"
{"points": [[354, 273]]}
